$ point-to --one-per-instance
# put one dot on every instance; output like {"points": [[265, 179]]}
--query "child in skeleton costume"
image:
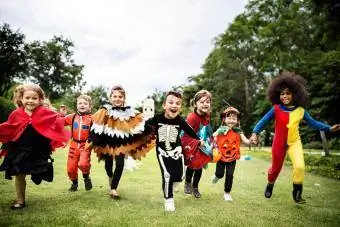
{"points": [[288, 94], [195, 156], [168, 126], [118, 130]]}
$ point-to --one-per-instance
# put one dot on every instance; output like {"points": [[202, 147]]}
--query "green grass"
{"points": [[50, 204]]}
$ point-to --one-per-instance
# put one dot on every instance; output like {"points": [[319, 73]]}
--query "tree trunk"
{"points": [[324, 143]]}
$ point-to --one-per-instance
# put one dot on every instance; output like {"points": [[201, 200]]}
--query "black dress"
{"points": [[30, 154]]}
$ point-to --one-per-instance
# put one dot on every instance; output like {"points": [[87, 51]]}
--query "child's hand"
{"points": [[335, 128], [201, 143], [253, 139], [63, 110]]}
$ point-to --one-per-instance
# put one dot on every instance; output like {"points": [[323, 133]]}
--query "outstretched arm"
{"points": [[244, 139], [334, 128], [260, 125]]}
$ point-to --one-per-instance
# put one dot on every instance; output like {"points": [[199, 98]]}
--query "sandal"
{"points": [[18, 205]]}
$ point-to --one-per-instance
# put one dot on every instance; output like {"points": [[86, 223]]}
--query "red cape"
{"points": [[48, 123]]}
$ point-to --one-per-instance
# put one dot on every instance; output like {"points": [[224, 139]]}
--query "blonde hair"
{"points": [[86, 98], [17, 95], [33, 87], [198, 96], [47, 102]]}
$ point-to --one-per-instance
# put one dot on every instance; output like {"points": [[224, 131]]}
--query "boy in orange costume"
{"points": [[78, 156]]}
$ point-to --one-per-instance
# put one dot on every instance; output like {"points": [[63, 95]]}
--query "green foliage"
{"points": [[50, 65], [6, 107], [99, 96], [12, 57]]}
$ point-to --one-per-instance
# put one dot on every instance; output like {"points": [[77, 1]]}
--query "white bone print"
{"points": [[167, 134]]}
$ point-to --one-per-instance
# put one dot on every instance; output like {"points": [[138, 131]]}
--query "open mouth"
{"points": [[173, 110]]}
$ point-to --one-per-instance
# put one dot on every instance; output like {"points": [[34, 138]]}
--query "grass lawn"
{"points": [[51, 204]]}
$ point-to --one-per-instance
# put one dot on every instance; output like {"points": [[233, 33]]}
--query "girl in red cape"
{"points": [[31, 132]]}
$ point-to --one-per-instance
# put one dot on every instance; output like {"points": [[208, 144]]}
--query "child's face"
{"points": [[31, 100], [83, 106], [203, 105], [172, 106], [231, 120], [286, 97], [117, 99]]}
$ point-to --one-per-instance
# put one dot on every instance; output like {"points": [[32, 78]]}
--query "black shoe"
{"points": [[196, 193], [269, 190], [73, 188], [187, 188], [88, 184], [297, 194]]}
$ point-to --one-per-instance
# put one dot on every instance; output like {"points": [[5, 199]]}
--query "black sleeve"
{"points": [[188, 130], [151, 124]]}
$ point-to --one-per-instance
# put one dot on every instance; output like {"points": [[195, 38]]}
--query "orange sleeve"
{"points": [[68, 119]]}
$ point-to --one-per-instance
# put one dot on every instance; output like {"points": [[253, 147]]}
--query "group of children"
{"points": [[183, 148]]}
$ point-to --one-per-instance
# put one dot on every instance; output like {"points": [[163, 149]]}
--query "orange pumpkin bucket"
{"points": [[216, 155]]}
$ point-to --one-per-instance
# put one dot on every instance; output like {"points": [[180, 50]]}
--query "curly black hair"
{"points": [[295, 83]]}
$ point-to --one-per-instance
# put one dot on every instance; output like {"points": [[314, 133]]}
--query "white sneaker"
{"points": [[214, 179], [227, 197], [169, 204]]}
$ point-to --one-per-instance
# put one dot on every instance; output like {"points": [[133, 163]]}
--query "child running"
{"points": [[168, 126], [195, 156], [228, 139], [118, 130], [32, 132], [288, 93], [78, 156]]}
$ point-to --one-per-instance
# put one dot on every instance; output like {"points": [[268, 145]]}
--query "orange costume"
{"points": [[78, 156], [229, 146]]}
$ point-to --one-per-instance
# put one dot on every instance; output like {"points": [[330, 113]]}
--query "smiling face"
{"points": [[30, 100], [117, 98], [203, 105], [286, 97], [172, 106], [83, 106], [231, 120]]}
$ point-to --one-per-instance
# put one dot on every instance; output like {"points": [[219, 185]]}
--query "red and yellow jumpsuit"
{"points": [[78, 156]]}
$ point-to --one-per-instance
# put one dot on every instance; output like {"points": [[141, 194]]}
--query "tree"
{"points": [[99, 96], [50, 65], [12, 57]]}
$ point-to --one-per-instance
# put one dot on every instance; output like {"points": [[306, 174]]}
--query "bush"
{"points": [[6, 107]]}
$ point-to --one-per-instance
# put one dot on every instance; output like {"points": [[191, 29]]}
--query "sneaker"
{"points": [[227, 197], [73, 188], [187, 188], [269, 190], [169, 204], [114, 194], [88, 184], [214, 179], [196, 193]]}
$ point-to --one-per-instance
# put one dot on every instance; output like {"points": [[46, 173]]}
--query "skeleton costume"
{"points": [[169, 149]]}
